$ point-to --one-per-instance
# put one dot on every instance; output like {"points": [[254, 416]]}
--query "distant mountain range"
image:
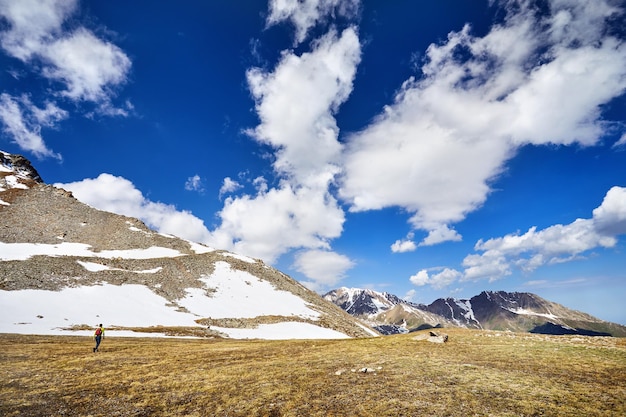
{"points": [[490, 310], [66, 267]]}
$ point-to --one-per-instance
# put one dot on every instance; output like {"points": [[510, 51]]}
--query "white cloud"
{"points": [[305, 14], [489, 265], [271, 223], [440, 233], [536, 78], [260, 184], [559, 243], [610, 217], [438, 281], [23, 121], [421, 278], [300, 212], [621, 141], [555, 244], [304, 131], [194, 183], [88, 67], [405, 245], [228, 186], [118, 195], [33, 23], [324, 268]]}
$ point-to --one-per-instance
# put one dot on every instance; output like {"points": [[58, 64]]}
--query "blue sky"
{"points": [[427, 149]]}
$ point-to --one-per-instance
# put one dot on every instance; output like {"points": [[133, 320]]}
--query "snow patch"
{"points": [[96, 267], [240, 294], [23, 251], [199, 248], [167, 235], [12, 182], [533, 313], [46, 312], [380, 306], [240, 257], [50, 312], [466, 305], [407, 309]]}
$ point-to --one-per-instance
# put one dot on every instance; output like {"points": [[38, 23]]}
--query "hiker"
{"points": [[98, 336]]}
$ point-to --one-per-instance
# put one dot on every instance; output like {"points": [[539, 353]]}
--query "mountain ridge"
{"points": [[489, 310]]}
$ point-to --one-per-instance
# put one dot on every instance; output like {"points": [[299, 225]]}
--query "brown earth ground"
{"points": [[476, 373]]}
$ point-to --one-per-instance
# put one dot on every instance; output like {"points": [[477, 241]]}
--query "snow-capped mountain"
{"points": [[386, 312], [492, 310], [521, 311], [360, 302], [65, 267]]}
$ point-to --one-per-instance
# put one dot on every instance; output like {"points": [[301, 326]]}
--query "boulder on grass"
{"points": [[437, 337], [432, 337]]}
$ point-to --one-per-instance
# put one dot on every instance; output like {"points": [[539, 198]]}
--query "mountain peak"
{"points": [[17, 172], [361, 302]]}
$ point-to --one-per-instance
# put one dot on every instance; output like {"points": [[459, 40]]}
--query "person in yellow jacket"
{"points": [[98, 336]]}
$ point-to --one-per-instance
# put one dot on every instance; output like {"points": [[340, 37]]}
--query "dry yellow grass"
{"points": [[475, 374]]}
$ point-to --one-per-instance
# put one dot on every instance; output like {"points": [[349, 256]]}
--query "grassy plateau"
{"points": [[476, 373]]}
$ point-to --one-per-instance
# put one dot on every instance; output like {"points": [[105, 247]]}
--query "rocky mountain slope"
{"points": [[491, 310], [65, 266]]}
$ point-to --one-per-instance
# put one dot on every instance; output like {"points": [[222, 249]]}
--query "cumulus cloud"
{"points": [[559, 243], [324, 268], [536, 78], [555, 244], [404, 245], [87, 67], [32, 24], [299, 212], [609, 218], [438, 281], [271, 223], [440, 233], [118, 195], [304, 132], [305, 14]]}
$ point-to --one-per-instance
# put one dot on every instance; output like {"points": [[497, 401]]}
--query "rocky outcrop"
{"points": [[20, 166]]}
